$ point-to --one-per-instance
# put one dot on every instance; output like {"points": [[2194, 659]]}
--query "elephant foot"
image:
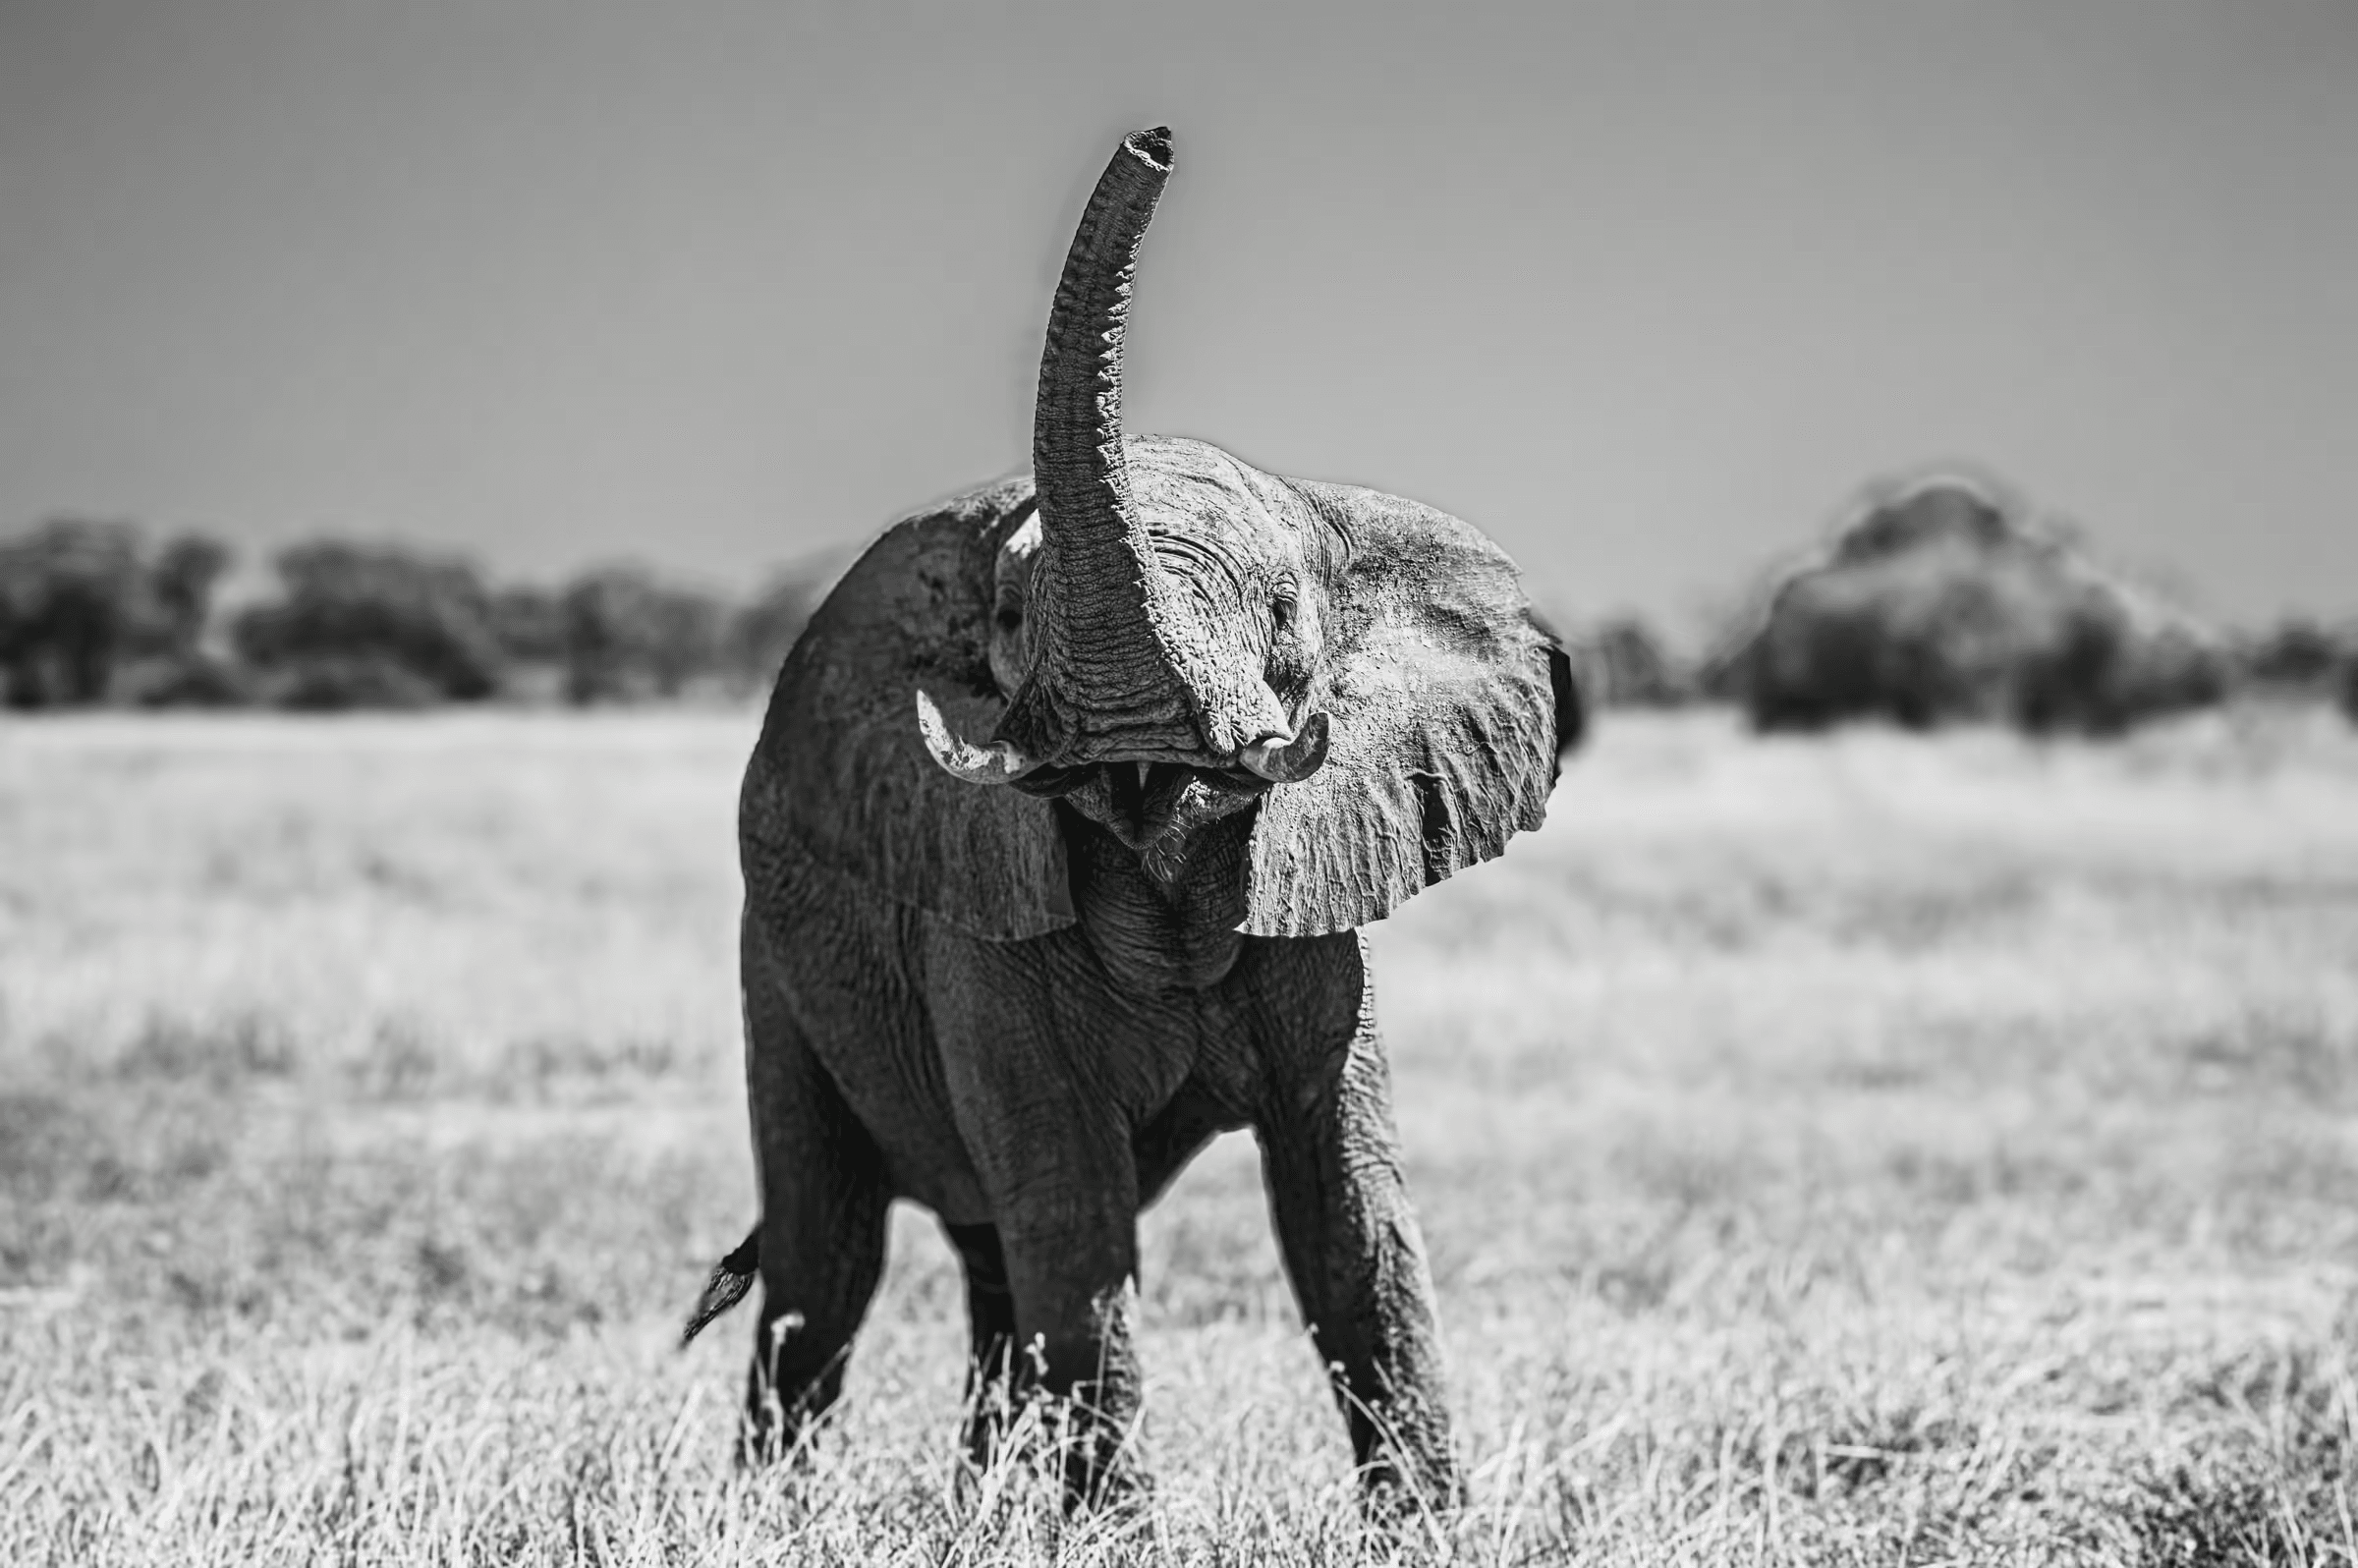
{"points": [[1095, 1455], [1019, 1441], [1407, 1459], [774, 1434], [1405, 1499], [795, 1380]]}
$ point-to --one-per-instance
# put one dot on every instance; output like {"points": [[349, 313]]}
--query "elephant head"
{"points": [[1170, 637]]}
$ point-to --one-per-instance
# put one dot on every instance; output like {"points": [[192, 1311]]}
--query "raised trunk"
{"points": [[1103, 676], [1084, 503]]}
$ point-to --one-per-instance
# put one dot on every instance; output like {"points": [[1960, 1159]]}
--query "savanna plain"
{"points": [[1875, 1148]]}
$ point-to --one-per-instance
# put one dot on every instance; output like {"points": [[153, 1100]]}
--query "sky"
{"points": [[1648, 290]]}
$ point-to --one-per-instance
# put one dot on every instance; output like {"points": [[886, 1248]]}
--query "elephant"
{"points": [[1066, 809]]}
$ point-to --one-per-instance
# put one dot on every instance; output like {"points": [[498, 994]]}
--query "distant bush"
{"points": [[1636, 668], [2295, 653], [528, 624], [2301, 658], [83, 600], [194, 680], [628, 636], [334, 683], [1942, 603], [185, 572], [372, 626]]}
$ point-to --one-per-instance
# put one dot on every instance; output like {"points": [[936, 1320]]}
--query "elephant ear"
{"points": [[840, 777], [1443, 697]]}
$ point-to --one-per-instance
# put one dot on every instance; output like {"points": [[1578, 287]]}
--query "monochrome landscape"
{"points": [[1788, 570]]}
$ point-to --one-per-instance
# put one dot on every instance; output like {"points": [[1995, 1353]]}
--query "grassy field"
{"points": [[1876, 1150]]}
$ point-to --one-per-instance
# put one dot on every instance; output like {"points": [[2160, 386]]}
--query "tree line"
{"points": [[1939, 600], [94, 612]]}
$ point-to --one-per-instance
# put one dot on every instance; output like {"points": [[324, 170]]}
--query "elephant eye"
{"points": [[1283, 606], [1010, 617]]}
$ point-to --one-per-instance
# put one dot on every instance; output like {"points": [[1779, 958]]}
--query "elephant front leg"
{"points": [[1023, 1031], [1063, 1185], [991, 1324], [1356, 1260], [1072, 1262]]}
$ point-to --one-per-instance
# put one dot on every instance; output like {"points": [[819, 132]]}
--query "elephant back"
{"points": [[840, 777]]}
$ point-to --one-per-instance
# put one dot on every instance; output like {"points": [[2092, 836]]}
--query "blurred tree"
{"points": [[197, 680], [66, 607], [2296, 651], [628, 636], [1942, 602], [380, 624], [332, 682], [529, 624], [1637, 668], [81, 599], [186, 571]]}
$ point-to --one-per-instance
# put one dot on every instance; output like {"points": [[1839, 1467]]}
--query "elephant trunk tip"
{"points": [[1289, 758], [1154, 144]]}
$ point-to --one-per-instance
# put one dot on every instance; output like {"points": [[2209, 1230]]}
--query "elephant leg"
{"points": [[991, 1324], [1063, 1186], [824, 1194], [1073, 1282], [1350, 1241], [1023, 1036]]}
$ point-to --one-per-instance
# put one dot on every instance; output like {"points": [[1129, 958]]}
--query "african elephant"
{"points": [[1066, 807]]}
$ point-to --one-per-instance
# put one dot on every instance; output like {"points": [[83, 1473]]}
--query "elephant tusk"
{"points": [[1000, 763], [1283, 759]]}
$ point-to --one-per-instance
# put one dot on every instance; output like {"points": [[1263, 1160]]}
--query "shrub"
{"points": [[2296, 651], [2302, 658], [528, 624], [629, 637], [193, 680], [330, 683], [372, 625], [185, 573], [1943, 603]]}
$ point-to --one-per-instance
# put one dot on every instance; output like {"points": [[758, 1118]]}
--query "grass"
{"points": [[1876, 1150]]}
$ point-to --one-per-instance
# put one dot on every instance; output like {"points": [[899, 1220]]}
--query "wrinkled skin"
{"points": [[1027, 1002]]}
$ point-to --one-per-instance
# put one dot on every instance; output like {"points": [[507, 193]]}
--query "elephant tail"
{"points": [[731, 1279]]}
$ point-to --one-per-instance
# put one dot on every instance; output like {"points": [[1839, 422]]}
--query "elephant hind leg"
{"points": [[821, 1242]]}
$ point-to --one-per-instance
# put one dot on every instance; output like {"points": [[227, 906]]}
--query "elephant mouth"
{"points": [[1153, 807]]}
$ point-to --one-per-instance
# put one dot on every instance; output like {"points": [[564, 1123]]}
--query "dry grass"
{"points": [[1875, 1150]]}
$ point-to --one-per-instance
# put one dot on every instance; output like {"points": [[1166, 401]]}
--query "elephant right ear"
{"points": [[841, 778], [1444, 700]]}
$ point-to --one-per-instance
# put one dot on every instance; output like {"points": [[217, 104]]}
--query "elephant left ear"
{"points": [[1443, 695]]}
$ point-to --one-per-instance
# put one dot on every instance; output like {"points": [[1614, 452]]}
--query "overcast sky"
{"points": [[1646, 289]]}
